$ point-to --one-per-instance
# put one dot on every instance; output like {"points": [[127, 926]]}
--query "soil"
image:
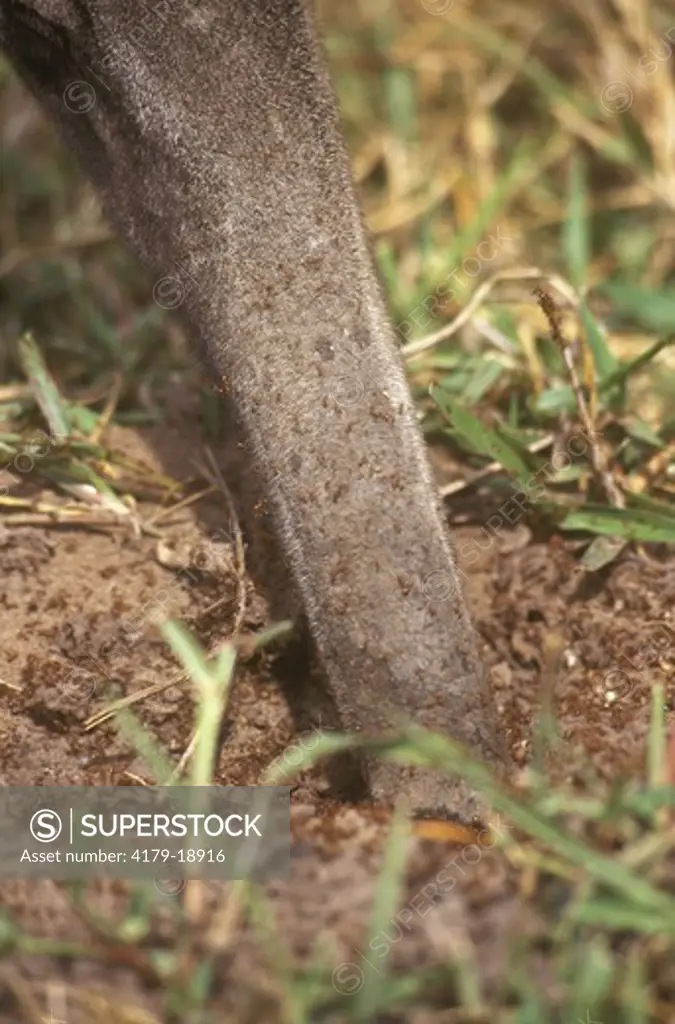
{"points": [[77, 625]]}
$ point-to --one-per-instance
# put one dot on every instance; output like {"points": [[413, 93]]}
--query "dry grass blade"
{"points": [[598, 457]]}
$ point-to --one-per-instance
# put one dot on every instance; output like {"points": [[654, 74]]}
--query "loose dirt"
{"points": [[77, 626]]}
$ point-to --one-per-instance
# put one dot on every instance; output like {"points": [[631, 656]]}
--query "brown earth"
{"points": [[77, 626]]}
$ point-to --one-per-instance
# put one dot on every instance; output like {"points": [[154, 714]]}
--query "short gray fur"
{"points": [[215, 143]]}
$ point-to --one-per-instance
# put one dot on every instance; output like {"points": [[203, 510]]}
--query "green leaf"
{"points": [[439, 359], [553, 401], [505, 322], [375, 992], [626, 370], [83, 420], [654, 310], [212, 679], [485, 377], [632, 524], [575, 229], [456, 382], [325, 745], [645, 501], [594, 978], [641, 431], [386, 259], [46, 392], [610, 915], [605, 362], [400, 88], [134, 732], [480, 439]]}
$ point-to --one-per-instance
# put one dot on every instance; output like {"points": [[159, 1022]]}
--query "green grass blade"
{"points": [[375, 995], [46, 392], [653, 310], [624, 371], [481, 439], [605, 362], [575, 230], [631, 524], [212, 680]]}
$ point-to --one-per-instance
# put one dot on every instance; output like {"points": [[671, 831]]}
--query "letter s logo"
{"points": [[45, 826]]}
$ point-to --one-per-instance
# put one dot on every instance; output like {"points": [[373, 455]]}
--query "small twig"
{"points": [[98, 719], [11, 686], [180, 505], [219, 481], [244, 645], [185, 759], [136, 779]]}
